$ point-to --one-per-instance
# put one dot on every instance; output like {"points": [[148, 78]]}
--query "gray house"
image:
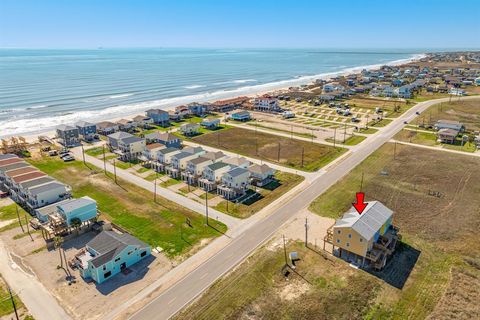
{"points": [[68, 136], [167, 139], [448, 124], [159, 116], [86, 130]]}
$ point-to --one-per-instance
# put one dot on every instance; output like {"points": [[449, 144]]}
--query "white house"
{"points": [[212, 175], [266, 103], [234, 183]]}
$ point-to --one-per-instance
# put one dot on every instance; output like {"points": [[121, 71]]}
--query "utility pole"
{"points": [[83, 154], [104, 161], [18, 217], [206, 206], [344, 132], [394, 150], [155, 190], [306, 232], [28, 228], [115, 170], [285, 250], [278, 155], [256, 139], [334, 136], [303, 154], [13, 302], [361, 183], [291, 132]]}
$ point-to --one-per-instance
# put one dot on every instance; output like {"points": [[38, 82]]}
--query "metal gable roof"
{"points": [[367, 223]]}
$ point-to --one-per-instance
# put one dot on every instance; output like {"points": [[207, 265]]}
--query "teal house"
{"points": [[108, 254], [84, 208]]}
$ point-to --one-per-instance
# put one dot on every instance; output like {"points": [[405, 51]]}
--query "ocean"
{"points": [[40, 89]]}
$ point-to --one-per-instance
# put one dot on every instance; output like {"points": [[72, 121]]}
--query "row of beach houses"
{"points": [[48, 199], [163, 152]]}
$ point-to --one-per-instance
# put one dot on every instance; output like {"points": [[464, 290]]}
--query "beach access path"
{"points": [[175, 297]]}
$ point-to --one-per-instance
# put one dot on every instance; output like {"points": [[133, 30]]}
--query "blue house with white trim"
{"points": [[108, 254]]}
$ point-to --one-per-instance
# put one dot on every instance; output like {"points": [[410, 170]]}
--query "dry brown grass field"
{"points": [[266, 146]]}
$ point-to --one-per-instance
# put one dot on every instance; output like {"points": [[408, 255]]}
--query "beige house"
{"points": [[365, 239], [190, 129]]}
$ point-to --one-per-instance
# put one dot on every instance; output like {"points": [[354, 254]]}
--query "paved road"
{"points": [[163, 192], [188, 288]]}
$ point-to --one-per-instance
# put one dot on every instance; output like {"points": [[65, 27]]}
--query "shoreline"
{"points": [[249, 91]]}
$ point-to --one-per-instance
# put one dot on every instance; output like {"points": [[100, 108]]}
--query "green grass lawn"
{"points": [[379, 124], [95, 152], [132, 207], [142, 170], [282, 150], [10, 212], [170, 182], [266, 195], [153, 176], [368, 131], [6, 306], [123, 165], [354, 140], [419, 137]]}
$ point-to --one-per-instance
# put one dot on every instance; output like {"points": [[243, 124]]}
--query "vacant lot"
{"points": [[258, 290], [435, 199], [265, 195], [465, 111], [272, 148], [131, 207]]}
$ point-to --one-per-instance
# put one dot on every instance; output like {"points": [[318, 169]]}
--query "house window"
{"points": [[350, 235], [107, 274], [118, 259], [348, 244], [338, 231], [130, 252], [104, 268], [338, 240], [143, 254], [361, 240]]}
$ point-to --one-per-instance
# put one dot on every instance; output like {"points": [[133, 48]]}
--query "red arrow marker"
{"points": [[360, 205]]}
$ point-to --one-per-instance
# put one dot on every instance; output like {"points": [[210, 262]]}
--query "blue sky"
{"points": [[240, 23]]}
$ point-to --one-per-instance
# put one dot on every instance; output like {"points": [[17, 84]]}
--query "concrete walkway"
{"points": [[163, 192]]}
